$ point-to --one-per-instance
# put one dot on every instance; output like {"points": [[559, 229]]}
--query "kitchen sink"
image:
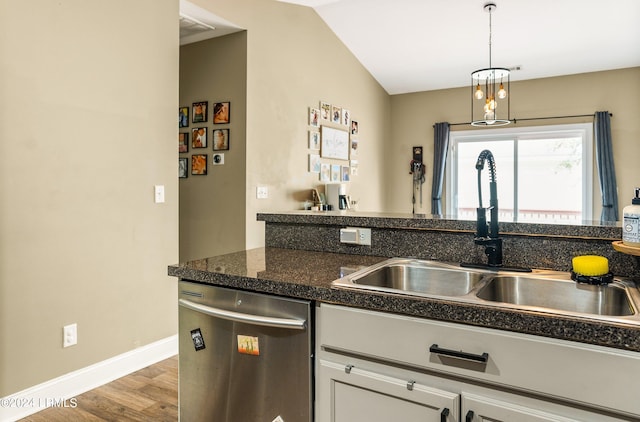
{"points": [[559, 294], [418, 278], [539, 291], [415, 277]]}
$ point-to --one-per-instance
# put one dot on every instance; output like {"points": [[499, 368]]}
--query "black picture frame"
{"points": [[199, 163], [221, 139], [200, 112], [183, 117], [199, 137], [183, 142], [222, 113], [183, 167]]}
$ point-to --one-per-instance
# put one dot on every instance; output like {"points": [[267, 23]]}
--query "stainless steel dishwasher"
{"points": [[243, 356]]}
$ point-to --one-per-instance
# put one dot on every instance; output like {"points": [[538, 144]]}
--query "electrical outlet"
{"points": [[69, 335]]}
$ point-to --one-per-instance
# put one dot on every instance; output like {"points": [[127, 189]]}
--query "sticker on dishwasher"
{"points": [[198, 341], [248, 345]]}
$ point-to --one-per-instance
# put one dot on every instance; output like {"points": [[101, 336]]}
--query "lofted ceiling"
{"points": [[423, 45]]}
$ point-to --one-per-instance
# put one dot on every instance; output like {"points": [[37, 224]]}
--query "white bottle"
{"points": [[631, 222]]}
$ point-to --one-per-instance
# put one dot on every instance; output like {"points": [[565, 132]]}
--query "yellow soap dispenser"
{"points": [[631, 222]]}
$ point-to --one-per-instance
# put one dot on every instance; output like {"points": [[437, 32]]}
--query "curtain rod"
{"points": [[537, 118]]}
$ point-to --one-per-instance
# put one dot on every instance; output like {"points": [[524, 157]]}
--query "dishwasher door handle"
{"points": [[290, 323]]}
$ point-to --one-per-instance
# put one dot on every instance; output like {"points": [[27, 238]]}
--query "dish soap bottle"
{"points": [[630, 224]]}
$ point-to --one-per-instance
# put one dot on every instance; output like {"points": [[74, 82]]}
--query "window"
{"points": [[543, 174]]}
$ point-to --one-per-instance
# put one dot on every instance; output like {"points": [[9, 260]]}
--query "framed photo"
{"points": [[314, 117], [183, 168], [354, 167], [314, 140], [354, 127], [218, 159], [314, 163], [346, 117], [200, 111], [183, 142], [325, 110], [354, 148], [199, 164], [199, 137], [220, 139], [325, 172], [335, 172], [334, 143], [221, 113], [336, 114], [346, 170], [183, 117]]}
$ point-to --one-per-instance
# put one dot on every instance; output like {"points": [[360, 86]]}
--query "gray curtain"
{"points": [[606, 167], [440, 148]]}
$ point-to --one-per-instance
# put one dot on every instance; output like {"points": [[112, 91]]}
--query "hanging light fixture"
{"points": [[486, 107]]}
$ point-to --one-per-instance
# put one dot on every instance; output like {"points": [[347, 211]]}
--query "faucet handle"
{"points": [[482, 230]]}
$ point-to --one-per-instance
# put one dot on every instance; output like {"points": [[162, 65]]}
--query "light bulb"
{"points": [[492, 104], [490, 117], [502, 94], [478, 94]]}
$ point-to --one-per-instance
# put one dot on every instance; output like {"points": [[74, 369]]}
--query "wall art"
{"points": [[354, 148], [199, 164], [199, 137], [314, 117], [220, 139], [183, 142], [334, 143], [183, 168], [336, 114], [335, 172], [314, 140], [346, 171], [200, 111], [346, 117], [183, 117], [325, 172], [221, 113], [354, 127], [325, 110], [218, 159], [314, 163]]}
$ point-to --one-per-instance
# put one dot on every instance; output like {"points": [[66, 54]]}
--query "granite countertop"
{"points": [[308, 275]]}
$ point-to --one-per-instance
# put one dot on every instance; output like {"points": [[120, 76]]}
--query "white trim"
{"points": [[64, 389]]}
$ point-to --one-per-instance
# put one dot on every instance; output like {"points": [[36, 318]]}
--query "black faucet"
{"points": [[487, 234]]}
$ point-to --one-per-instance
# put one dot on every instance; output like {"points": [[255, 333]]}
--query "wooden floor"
{"points": [[150, 394]]}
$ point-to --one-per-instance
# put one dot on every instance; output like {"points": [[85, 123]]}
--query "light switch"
{"points": [[158, 194], [262, 192]]}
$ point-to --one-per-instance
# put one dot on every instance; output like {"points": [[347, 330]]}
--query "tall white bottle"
{"points": [[631, 222]]}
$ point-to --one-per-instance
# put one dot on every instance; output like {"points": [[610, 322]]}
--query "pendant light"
{"points": [[490, 100]]}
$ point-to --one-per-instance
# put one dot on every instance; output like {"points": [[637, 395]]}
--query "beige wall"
{"points": [[212, 207], [413, 117], [294, 61], [87, 128]]}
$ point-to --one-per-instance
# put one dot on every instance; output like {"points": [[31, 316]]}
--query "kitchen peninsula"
{"points": [[516, 363], [303, 255]]}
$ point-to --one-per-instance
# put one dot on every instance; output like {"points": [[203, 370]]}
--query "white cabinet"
{"points": [[357, 395], [366, 360]]}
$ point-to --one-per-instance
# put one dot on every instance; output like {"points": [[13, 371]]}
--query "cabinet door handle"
{"points": [[444, 414], [483, 358], [469, 416]]}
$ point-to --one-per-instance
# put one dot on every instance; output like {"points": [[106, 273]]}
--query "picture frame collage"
{"points": [[333, 136], [197, 134]]}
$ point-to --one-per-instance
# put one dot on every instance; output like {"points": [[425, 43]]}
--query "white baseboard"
{"points": [[62, 391]]}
